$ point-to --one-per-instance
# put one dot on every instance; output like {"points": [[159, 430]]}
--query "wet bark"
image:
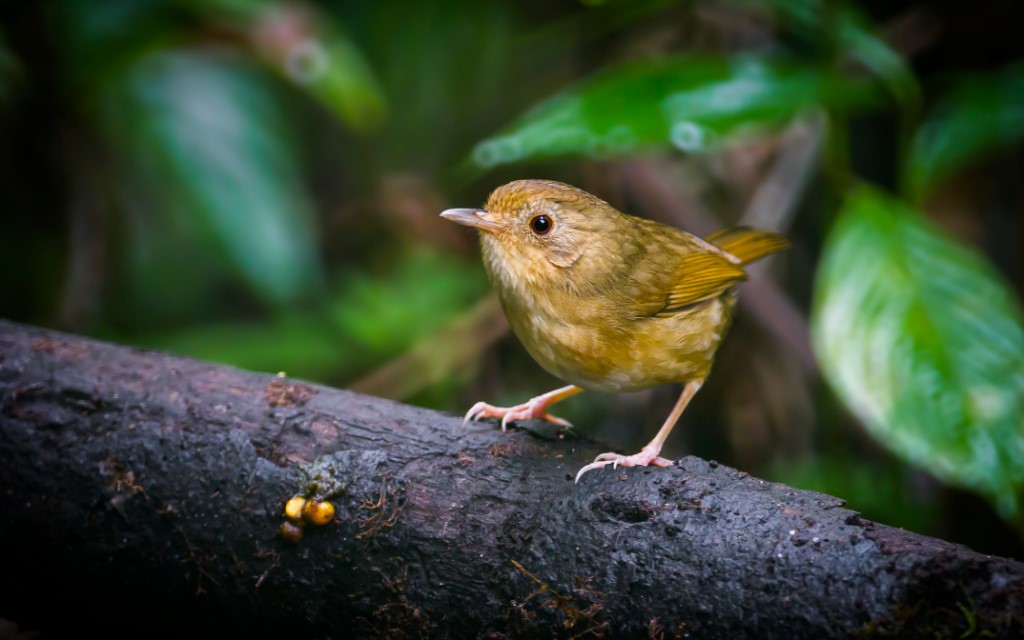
{"points": [[142, 492]]}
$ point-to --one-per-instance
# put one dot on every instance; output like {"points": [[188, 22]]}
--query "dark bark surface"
{"points": [[142, 493]]}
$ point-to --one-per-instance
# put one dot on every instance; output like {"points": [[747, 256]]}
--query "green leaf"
{"points": [[688, 102], [332, 69], [308, 48], [856, 37], [419, 294], [205, 136], [923, 341], [980, 116]]}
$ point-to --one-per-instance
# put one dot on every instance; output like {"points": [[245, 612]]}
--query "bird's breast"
{"points": [[593, 344]]}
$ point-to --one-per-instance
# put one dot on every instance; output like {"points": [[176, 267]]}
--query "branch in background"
{"points": [[663, 196], [912, 32], [777, 198], [88, 234], [153, 488]]}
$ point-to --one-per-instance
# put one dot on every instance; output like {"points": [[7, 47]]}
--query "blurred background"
{"points": [[258, 183]]}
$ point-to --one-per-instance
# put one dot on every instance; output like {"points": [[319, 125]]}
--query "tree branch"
{"points": [[142, 491]]}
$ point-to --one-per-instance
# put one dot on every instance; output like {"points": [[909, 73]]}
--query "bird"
{"points": [[608, 301]]}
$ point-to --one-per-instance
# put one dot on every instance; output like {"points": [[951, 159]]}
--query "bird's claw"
{"points": [[646, 457], [526, 411]]}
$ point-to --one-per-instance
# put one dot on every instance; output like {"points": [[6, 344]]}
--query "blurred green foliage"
{"points": [[976, 116], [843, 29], [923, 341], [258, 183], [690, 103], [211, 156], [368, 318], [883, 490]]}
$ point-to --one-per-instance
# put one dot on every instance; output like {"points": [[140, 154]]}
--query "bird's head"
{"points": [[539, 232]]}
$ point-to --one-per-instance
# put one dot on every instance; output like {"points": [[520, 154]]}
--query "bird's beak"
{"points": [[471, 218]]}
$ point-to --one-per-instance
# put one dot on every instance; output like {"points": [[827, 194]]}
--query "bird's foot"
{"points": [[647, 457], [532, 408]]}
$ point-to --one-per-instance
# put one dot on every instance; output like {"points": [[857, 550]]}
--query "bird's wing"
{"points": [[669, 285], [699, 277], [676, 271], [748, 244]]}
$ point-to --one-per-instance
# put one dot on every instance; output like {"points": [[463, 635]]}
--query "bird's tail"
{"points": [[748, 244]]}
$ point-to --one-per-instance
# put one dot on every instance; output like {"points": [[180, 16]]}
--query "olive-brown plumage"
{"points": [[606, 300]]}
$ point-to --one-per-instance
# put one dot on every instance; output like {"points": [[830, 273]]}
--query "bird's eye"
{"points": [[541, 225]]}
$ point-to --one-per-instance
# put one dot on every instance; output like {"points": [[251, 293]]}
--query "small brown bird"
{"points": [[605, 300]]}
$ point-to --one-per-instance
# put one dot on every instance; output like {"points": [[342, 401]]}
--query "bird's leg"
{"points": [[532, 408], [649, 455]]}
